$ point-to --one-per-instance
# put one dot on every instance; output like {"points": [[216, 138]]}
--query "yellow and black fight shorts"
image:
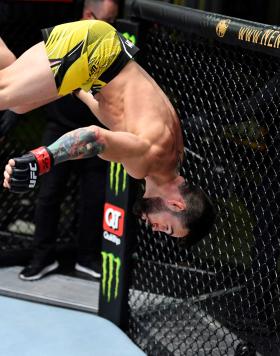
{"points": [[86, 54]]}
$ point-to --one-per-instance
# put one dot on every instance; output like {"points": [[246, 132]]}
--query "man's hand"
{"points": [[88, 99], [85, 97], [21, 173]]}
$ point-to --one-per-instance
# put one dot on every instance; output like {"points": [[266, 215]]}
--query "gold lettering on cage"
{"points": [[267, 38], [256, 36], [277, 41], [248, 35]]}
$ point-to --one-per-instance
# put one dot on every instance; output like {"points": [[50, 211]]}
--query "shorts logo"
{"points": [[130, 38], [129, 44], [113, 219], [92, 70], [222, 27]]}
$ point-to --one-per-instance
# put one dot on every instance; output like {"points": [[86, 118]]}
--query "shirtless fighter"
{"points": [[91, 59]]}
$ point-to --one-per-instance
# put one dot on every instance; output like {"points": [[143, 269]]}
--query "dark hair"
{"points": [[199, 215], [89, 2]]}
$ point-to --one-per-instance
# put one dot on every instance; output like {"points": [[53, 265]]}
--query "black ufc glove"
{"points": [[7, 121], [28, 167]]}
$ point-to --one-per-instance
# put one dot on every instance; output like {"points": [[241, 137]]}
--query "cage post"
{"points": [[117, 244]]}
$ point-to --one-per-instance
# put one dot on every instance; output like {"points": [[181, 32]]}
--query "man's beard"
{"points": [[148, 205]]}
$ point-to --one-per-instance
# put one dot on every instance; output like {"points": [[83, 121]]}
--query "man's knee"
{"points": [[6, 55], [20, 109], [4, 96]]}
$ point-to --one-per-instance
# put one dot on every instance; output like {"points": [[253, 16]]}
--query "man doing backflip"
{"points": [[93, 60]]}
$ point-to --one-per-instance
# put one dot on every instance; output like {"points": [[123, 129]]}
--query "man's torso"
{"points": [[133, 102]]}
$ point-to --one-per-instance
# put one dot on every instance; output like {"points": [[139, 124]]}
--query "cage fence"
{"points": [[222, 296]]}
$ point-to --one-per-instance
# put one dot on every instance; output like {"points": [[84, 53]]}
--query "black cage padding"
{"points": [[204, 24]]}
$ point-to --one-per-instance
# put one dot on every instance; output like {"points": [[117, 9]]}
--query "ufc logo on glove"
{"points": [[33, 175]]}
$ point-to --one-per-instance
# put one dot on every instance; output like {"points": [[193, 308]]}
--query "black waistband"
{"points": [[115, 68]]}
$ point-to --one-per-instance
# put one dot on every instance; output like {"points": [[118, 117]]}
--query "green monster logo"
{"points": [[129, 37], [116, 184], [110, 275]]}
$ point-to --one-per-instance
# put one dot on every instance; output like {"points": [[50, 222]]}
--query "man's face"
{"points": [[161, 218]]}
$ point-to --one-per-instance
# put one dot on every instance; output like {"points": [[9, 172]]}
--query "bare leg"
{"points": [[22, 109], [6, 56], [29, 81]]}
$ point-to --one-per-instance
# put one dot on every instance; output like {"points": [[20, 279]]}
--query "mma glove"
{"points": [[7, 121], [28, 168]]}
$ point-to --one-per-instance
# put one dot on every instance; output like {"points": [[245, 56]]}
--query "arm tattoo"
{"points": [[77, 144]]}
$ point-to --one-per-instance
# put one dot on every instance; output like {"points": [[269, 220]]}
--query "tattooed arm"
{"points": [[93, 140], [77, 144], [132, 151]]}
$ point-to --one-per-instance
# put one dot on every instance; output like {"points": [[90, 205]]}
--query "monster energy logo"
{"points": [[129, 37], [116, 183], [110, 275]]}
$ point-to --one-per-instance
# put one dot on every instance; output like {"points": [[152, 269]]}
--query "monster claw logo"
{"points": [[118, 178], [111, 266]]}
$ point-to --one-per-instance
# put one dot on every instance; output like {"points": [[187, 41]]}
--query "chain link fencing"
{"points": [[222, 296]]}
